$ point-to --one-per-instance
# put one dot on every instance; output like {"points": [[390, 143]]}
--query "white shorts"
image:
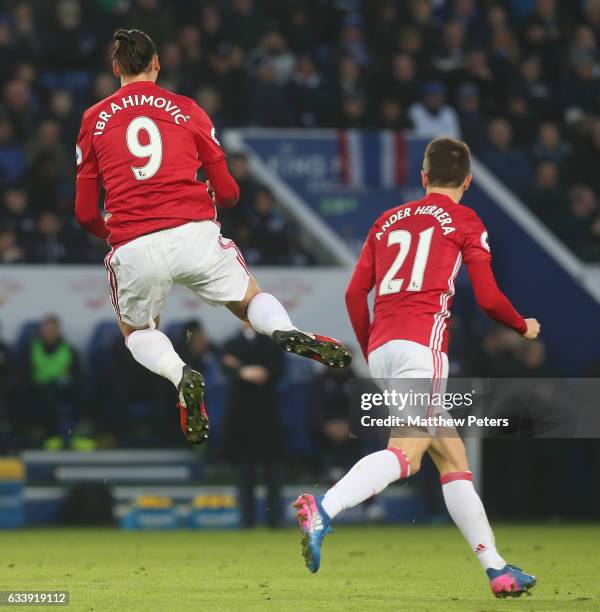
{"points": [[407, 359], [142, 272], [396, 362]]}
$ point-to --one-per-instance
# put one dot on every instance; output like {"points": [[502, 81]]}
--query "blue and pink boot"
{"points": [[315, 525], [510, 581]]}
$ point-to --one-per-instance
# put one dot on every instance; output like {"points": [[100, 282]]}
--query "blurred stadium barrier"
{"points": [[78, 295]]}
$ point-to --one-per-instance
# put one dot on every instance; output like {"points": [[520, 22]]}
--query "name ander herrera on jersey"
{"points": [[134, 100], [437, 212]]}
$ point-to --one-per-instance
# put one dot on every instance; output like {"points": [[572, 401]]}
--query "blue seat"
{"points": [[294, 391], [175, 330], [104, 336], [26, 335]]}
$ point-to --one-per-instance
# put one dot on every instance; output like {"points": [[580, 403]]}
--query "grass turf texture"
{"points": [[370, 568]]}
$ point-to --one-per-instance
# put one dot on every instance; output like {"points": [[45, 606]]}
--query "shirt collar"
{"points": [[138, 83], [439, 197]]}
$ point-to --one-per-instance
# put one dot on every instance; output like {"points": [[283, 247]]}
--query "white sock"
{"points": [[266, 314], [468, 513], [152, 349], [371, 475]]}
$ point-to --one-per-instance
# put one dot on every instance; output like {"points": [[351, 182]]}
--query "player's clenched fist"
{"points": [[533, 329]]}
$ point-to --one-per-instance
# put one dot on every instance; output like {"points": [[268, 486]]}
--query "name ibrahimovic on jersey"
{"points": [[140, 100]]}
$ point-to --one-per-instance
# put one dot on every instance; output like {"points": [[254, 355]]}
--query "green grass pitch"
{"points": [[369, 568]]}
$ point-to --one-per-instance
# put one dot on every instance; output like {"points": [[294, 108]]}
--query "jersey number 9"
{"points": [[152, 150]]}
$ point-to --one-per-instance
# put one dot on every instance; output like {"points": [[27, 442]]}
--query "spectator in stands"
{"points": [[253, 438], [62, 109], [449, 60], [12, 154], [580, 86], [10, 250], [309, 95], [382, 21], [268, 102], [585, 160], [432, 117], [471, 118], [195, 347], [547, 198], [273, 49], [19, 106], [497, 356], [46, 244], [353, 113], [578, 228], [16, 215], [9, 418], [352, 80], [330, 399], [533, 359], [507, 162], [392, 115], [479, 72], [534, 89], [419, 38], [268, 226], [549, 145], [400, 82], [50, 385]]}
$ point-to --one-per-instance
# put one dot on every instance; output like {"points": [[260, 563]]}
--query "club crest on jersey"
{"points": [[485, 243], [78, 155]]}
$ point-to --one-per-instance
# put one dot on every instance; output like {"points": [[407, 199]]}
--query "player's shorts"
{"points": [[142, 272], [416, 371]]}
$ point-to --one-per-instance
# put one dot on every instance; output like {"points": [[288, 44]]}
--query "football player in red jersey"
{"points": [[411, 258], [144, 145]]}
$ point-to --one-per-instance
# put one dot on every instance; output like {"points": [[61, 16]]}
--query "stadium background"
{"points": [[324, 108]]}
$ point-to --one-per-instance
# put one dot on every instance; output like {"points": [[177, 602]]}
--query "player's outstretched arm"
{"points": [[357, 296], [495, 304], [86, 207]]}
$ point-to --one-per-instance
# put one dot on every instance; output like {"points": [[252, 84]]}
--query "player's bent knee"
{"points": [[240, 309], [252, 290], [127, 329], [410, 462], [412, 448]]}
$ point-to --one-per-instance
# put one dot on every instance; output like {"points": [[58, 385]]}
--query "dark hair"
{"points": [[133, 51], [447, 162]]}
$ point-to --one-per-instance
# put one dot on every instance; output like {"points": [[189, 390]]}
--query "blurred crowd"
{"points": [[518, 79]]}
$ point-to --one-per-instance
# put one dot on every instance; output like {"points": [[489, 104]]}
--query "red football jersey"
{"points": [[146, 144], [413, 254]]}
